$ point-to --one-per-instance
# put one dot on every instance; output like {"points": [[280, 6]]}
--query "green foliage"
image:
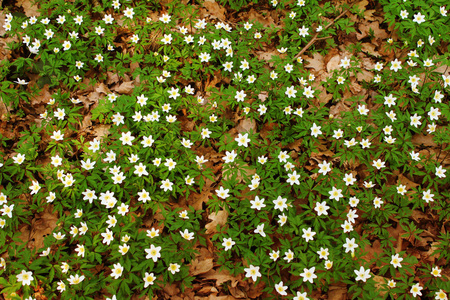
{"points": [[200, 134]]}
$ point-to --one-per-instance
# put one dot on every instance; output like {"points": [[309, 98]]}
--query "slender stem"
{"points": [[315, 37]]}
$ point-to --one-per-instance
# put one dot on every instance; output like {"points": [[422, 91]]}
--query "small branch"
{"points": [[315, 37]]}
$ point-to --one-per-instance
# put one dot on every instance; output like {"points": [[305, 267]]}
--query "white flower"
{"points": [[166, 185], [116, 271], [308, 234], [427, 196], [260, 229], [419, 18], [363, 110], [362, 274], [252, 272], [321, 208], [153, 253], [434, 113], [174, 268], [280, 203], [240, 95], [127, 138], [291, 92], [19, 158], [222, 193], [345, 63], [315, 130], [293, 178], [149, 279], [416, 290], [324, 167], [350, 245], [128, 12], [75, 279], [242, 140], [228, 243], [25, 277], [281, 289], [165, 18], [396, 65], [349, 179], [396, 261], [308, 274], [167, 39], [378, 164], [440, 172], [303, 31], [335, 193], [257, 203]]}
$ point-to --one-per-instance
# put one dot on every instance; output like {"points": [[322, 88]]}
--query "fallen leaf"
{"points": [[423, 140], [333, 63], [220, 277], [336, 110], [266, 21], [365, 76], [125, 88], [405, 181], [337, 292], [316, 62], [380, 282], [263, 96], [246, 125], [371, 27], [43, 96], [41, 226], [219, 218], [216, 11], [101, 130], [29, 9], [200, 266], [361, 5], [370, 49]]}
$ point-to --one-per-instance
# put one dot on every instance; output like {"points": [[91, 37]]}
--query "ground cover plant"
{"points": [[231, 150]]}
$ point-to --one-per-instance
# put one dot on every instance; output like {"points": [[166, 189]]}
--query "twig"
{"points": [[315, 37]]}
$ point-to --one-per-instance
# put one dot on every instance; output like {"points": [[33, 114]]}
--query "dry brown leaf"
{"points": [[361, 5], [215, 9], [370, 49], [41, 226], [263, 96], [316, 62], [372, 250], [337, 292], [237, 292], [423, 140], [405, 181], [112, 78], [333, 63], [43, 96], [336, 110], [219, 218], [101, 130], [125, 88], [214, 297], [380, 282], [365, 27], [365, 76], [368, 14], [245, 125], [266, 21], [29, 9], [267, 55], [220, 277], [200, 266]]}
